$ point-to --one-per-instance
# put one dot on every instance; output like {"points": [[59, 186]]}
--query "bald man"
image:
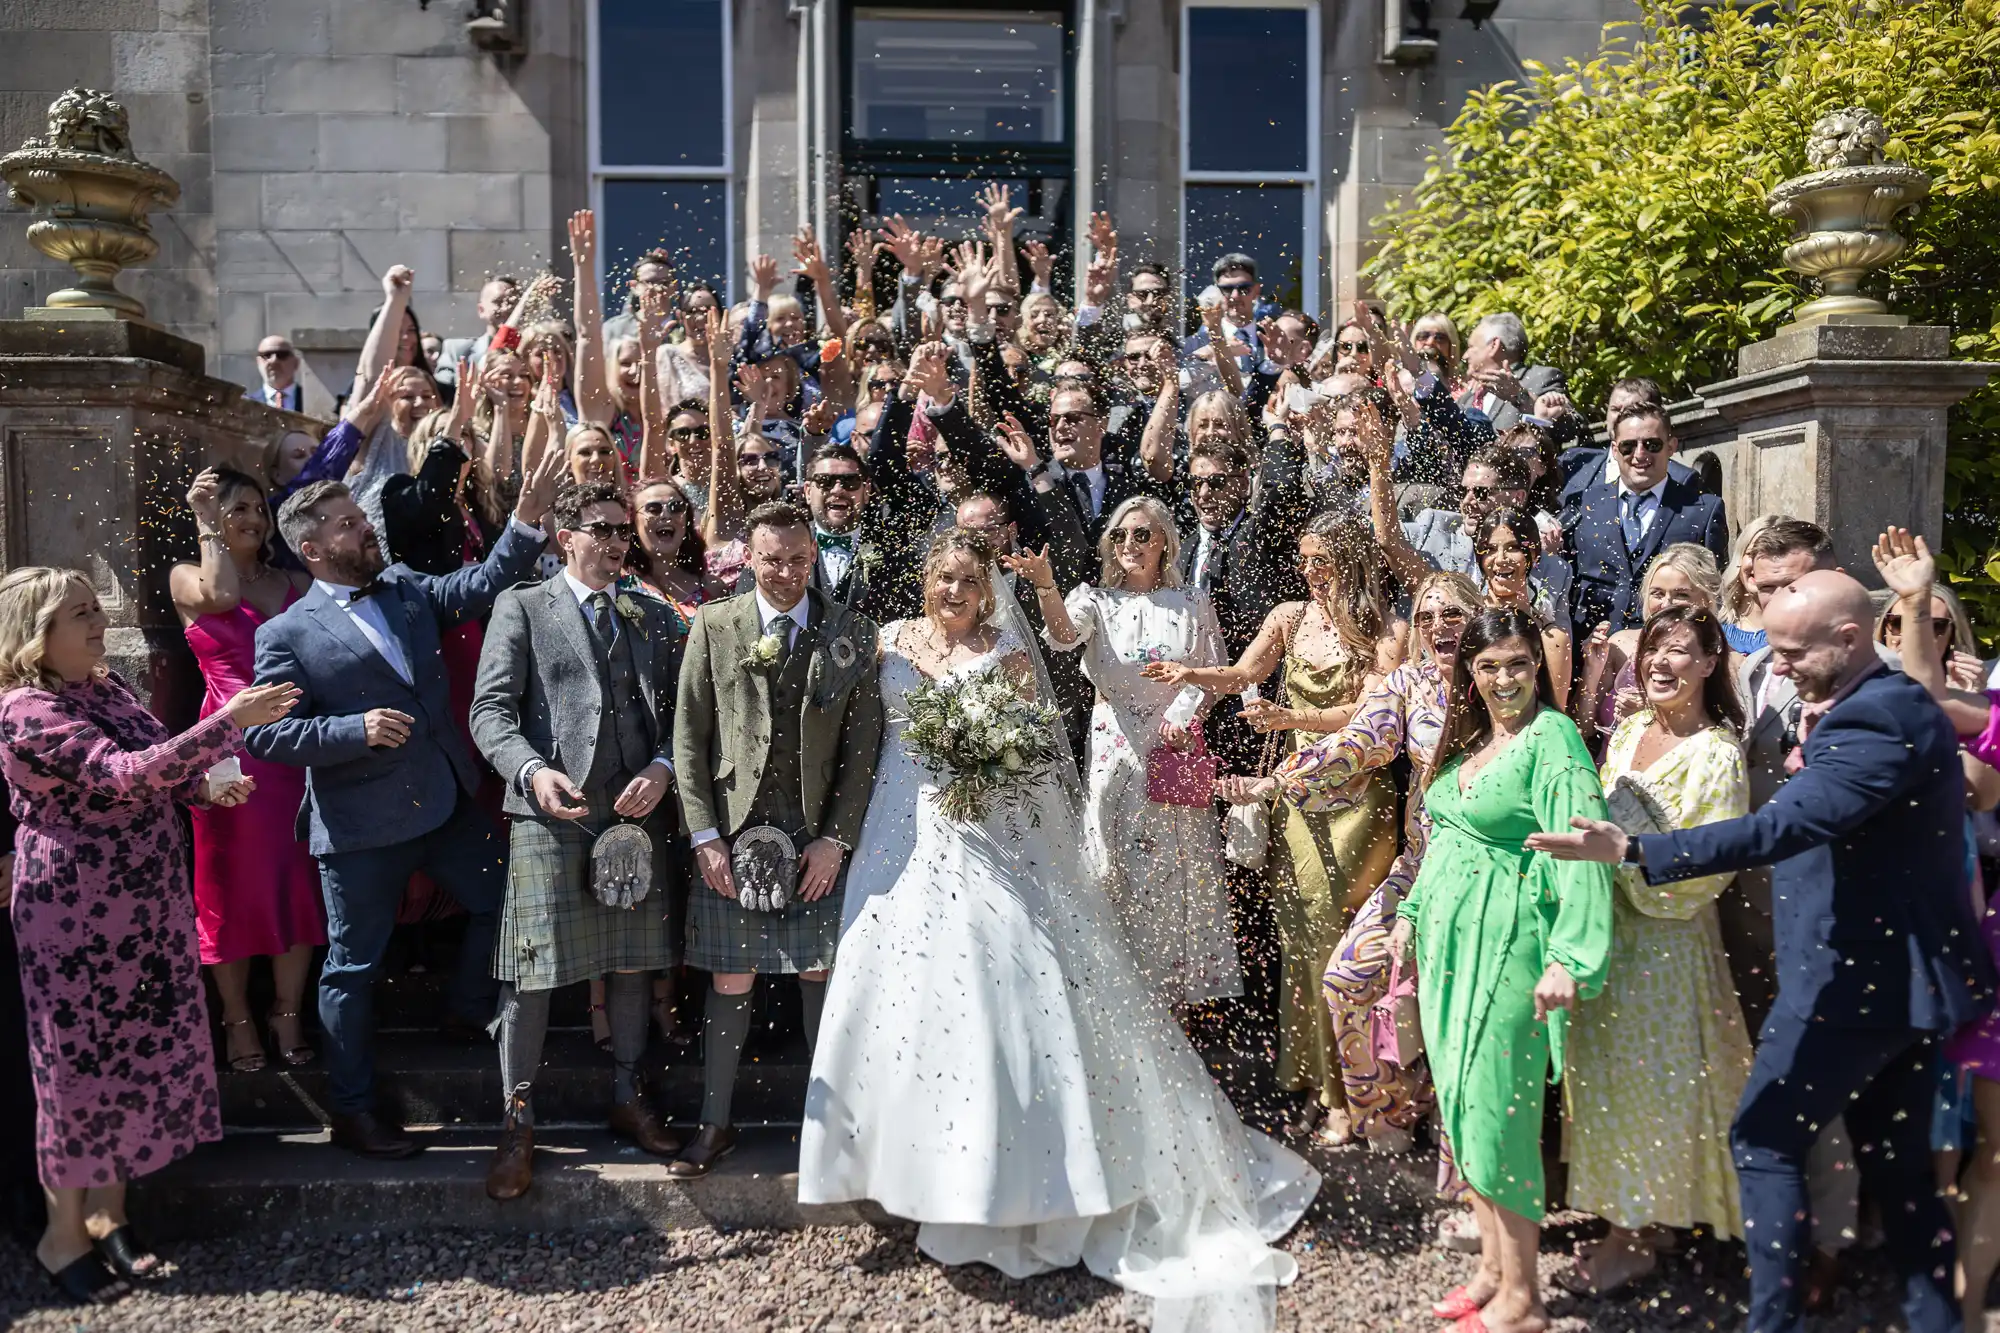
{"points": [[1878, 952]]}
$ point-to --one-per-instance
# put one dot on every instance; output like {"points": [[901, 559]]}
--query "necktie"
{"points": [[1636, 507], [601, 622], [783, 626], [1080, 483]]}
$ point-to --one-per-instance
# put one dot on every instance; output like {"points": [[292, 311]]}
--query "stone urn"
{"points": [[90, 196], [1844, 214]]}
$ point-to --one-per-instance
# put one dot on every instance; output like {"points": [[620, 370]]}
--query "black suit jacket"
{"points": [[1870, 903], [1606, 587]]}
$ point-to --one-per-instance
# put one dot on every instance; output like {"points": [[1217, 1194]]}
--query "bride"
{"points": [[991, 1063]]}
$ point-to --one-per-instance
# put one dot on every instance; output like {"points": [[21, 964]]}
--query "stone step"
{"points": [[585, 1179], [426, 1079]]}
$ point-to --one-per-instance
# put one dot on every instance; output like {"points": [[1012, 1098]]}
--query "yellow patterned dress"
{"points": [[1657, 1062], [1323, 866]]}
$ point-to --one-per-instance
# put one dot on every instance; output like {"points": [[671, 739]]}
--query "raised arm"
{"points": [[378, 350], [1000, 219], [1378, 443], [812, 263], [655, 452], [1156, 441], [1221, 351], [1905, 562], [212, 586], [48, 736], [724, 520], [593, 393], [468, 593]]}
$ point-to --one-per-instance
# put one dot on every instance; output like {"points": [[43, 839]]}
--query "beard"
{"points": [[1816, 684], [354, 568]]}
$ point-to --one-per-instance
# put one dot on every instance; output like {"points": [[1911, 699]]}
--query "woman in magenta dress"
{"points": [[117, 1028], [256, 889]]}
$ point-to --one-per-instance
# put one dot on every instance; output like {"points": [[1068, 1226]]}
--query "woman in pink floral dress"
{"points": [[103, 915]]}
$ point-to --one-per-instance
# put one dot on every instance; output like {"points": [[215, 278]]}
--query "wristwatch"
{"points": [[1039, 470], [1635, 852]]}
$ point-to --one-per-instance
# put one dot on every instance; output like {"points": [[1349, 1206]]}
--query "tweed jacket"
{"points": [[542, 687], [722, 718]]}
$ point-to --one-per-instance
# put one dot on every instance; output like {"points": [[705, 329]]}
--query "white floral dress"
{"points": [[1657, 1062], [1160, 865]]}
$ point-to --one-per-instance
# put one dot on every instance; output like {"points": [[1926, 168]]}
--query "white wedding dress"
{"points": [[992, 1065]]}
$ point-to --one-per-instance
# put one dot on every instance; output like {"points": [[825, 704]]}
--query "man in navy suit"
{"points": [[1878, 953], [1614, 528], [389, 777]]}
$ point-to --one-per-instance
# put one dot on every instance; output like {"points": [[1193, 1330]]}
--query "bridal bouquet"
{"points": [[977, 732]]}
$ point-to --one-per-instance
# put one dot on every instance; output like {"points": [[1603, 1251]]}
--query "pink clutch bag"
{"points": [[1182, 777], [1395, 1029]]}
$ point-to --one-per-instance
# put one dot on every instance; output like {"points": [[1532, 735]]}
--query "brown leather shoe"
{"points": [[513, 1167], [635, 1122], [373, 1137], [714, 1143]]}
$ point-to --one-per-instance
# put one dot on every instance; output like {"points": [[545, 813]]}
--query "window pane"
{"points": [[659, 82], [969, 78], [925, 196], [1266, 222], [687, 219], [1247, 94]]}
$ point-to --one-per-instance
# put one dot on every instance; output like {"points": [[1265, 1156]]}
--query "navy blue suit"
{"points": [[377, 815], [1607, 573], [1878, 955]]}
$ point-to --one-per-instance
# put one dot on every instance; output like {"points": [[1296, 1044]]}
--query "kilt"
{"points": [[553, 932], [722, 937]]}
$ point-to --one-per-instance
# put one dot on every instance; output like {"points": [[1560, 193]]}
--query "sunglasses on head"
{"points": [[1651, 444], [655, 508], [838, 481], [1893, 624], [1139, 536], [1451, 615], [687, 434], [604, 530]]}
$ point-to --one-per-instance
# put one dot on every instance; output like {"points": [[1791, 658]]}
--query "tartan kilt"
{"points": [[722, 937], [554, 932]]}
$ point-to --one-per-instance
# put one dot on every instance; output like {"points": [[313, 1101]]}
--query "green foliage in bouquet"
{"points": [[981, 740]]}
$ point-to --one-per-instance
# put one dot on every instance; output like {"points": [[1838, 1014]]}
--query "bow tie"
{"points": [[835, 541], [371, 588]]}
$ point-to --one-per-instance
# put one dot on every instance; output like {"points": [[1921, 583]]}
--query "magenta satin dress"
{"points": [[256, 888]]}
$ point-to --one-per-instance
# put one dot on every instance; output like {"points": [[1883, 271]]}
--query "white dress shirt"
{"points": [[836, 563], [292, 397], [801, 615], [1627, 496], [372, 620]]}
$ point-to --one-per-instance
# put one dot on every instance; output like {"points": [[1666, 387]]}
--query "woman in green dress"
{"points": [[1333, 647], [1507, 941]]}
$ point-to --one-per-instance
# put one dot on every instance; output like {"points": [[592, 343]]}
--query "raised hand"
{"points": [[366, 411], [763, 276], [861, 246], [396, 282], [257, 705], [811, 260], [1103, 236], [583, 239], [538, 487], [928, 373], [974, 277], [1100, 279], [463, 401], [1553, 405], [1904, 561], [204, 497], [1040, 262], [1033, 566], [906, 243], [1017, 444], [718, 349], [656, 304], [931, 256], [1000, 218], [818, 418]]}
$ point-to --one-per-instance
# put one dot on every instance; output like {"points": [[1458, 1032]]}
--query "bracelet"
{"points": [[208, 534]]}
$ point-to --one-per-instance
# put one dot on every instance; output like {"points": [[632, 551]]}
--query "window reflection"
{"points": [[938, 76], [1266, 222], [689, 219], [660, 83], [1247, 90]]}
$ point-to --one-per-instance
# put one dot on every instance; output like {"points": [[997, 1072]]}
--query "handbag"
{"points": [[1395, 1027], [1182, 777], [621, 866], [765, 861], [1635, 809]]}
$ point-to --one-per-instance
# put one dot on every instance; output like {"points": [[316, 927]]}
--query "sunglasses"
{"points": [[605, 531], [1651, 444], [951, 300], [1315, 564], [838, 481], [1451, 615], [688, 434], [1149, 293], [1490, 492], [1000, 308], [655, 508], [757, 461], [1234, 286], [281, 354], [1221, 481], [1347, 345], [1072, 418], [1141, 536], [1893, 624]]}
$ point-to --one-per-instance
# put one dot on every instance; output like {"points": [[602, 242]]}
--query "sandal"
{"points": [[1456, 1305], [600, 1027], [244, 1064], [86, 1281], [131, 1258], [294, 1056]]}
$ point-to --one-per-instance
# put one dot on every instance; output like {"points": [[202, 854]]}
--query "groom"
{"points": [[778, 722]]}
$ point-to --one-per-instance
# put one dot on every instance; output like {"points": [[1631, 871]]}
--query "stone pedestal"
{"points": [[103, 424], [1844, 424]]}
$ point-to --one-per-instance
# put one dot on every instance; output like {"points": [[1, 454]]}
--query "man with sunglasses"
{"points": [[278, 367], [1148, 297], [574, 707], [1494, 478], [1613, 529], [1236, 280]]}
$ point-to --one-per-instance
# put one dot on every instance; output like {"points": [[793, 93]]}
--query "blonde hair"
{"points": [[29, 599], [783, 304], [967, 541], [1737, 598], [274, 452], [1455, 588], [1110, 575], [1697, 562]]}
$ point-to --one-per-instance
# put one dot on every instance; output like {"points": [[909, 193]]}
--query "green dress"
{"points": [[1489, 918], [1323, 865]]}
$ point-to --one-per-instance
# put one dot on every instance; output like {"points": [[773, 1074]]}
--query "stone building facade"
{"points": [[319, 142]]}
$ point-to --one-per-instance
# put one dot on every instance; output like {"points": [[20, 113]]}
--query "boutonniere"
{"points": [[764, 653], [868, 559], [628, 608], [841, 650]]}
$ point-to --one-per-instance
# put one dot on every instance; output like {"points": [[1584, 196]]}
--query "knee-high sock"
{"points": [[726, 1026], [812, 1000], [524, 1023], [627, 997]]}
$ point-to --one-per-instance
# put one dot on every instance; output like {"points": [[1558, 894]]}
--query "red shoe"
{"points": [[1456, 1305], [1472, 1323]]}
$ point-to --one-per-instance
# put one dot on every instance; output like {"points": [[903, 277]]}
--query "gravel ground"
{"points": [[1364, 1265]]}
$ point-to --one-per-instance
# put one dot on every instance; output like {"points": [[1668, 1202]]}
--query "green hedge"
{"points": [[1618, 205]]}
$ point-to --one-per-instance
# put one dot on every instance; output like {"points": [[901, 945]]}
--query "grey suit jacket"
{"points": [[542, 690], [722, 720]]}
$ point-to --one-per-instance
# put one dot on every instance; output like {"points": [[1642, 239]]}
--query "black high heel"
{"points": [[127, 1254], [85, 1280]]}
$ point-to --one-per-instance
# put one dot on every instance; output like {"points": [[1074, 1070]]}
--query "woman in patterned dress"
{"points": [[1334, 648], [1658, 1061], [104, 918]]}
